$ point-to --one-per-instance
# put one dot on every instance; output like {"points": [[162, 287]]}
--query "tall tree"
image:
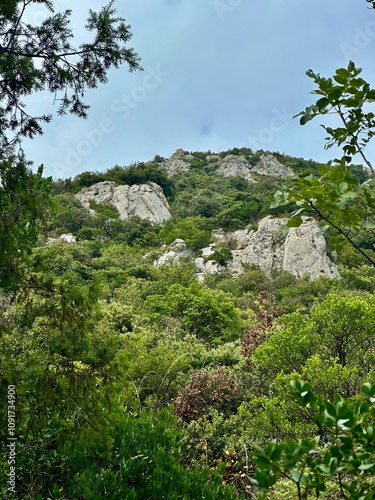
{"points": [[35, 58], [44, 57]]}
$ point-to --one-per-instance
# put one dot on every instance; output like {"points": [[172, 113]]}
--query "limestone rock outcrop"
{"points": [[300, 252], [229, 166], [145, 200], [68, 238], [304, 253], [178, 162], [235, 166], [270, 165], [177, 251], [238, 166]]}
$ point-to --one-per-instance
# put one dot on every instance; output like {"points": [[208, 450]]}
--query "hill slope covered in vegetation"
{"points": [[145, 379]]}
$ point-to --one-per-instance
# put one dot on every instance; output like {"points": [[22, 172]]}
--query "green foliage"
{"points": [[209, 317], [336, 196], [340, 327], [141, 173], [193, 230], [68, 216], [222, 256], [85, 179], [28, 64], [144, 464], [362, 278], [24, 203], [348, 459], [238, 215], [139, 233]]}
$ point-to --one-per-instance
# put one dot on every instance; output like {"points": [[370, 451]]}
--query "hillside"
{"points": [[165, 312], [205, 199]]}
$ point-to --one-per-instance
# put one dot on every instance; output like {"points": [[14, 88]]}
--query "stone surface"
{"points": [[269, 165], [238, 166], [235, 166], [301, 252], [68, 238], [304, 253], [178, 162], [229, 166], [177, 251], [145, 200], [263, 247]]}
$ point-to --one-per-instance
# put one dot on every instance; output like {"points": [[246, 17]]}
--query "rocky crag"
{"points": [[229, 166], [144, 200], [301, 251]]}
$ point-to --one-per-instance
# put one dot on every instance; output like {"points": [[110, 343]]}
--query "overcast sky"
{"points": [[217, 74]]}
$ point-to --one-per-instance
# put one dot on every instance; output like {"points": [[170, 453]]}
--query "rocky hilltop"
{"points": [[270, 246], [144, 200], [230, 165]]}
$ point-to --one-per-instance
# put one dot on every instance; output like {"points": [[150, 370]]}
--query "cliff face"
{"points": [[301, 252], [145, 200]]}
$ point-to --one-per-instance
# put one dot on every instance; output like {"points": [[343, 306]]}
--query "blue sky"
{"points": [[217, 74]]}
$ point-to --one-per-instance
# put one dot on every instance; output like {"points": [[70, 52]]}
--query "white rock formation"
{"points": [[145, 200], [301, 252], [235, 166], [68, 238], [229, 166], [304, 253], [269, 165], [177, 162], [176, 252], [238, 166]]}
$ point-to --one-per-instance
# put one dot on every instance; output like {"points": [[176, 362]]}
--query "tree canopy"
{"points": [[35, 58], [43, 57]]}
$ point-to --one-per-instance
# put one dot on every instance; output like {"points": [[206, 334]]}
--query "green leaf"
{"points": [[343, 73], [305, 118], [323, 103], [343, 187], [335, 93], [296, 475], [330, 410], [322, 231], [366, 466], [295, 222]]}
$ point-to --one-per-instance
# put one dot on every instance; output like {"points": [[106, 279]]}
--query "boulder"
{"points": [[145, 200], [177, 251]]}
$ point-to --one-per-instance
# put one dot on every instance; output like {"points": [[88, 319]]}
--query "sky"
{"points": [[218, 74]]}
